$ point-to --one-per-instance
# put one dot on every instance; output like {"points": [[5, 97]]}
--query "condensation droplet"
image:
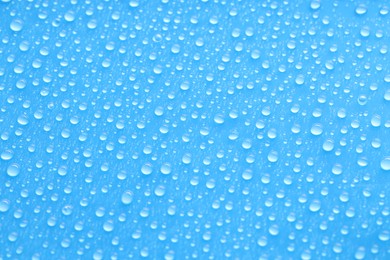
{"points": [[385, 164], [7, 155], [16, 25], [146, 169], [127, 197], [361, 9], [4, 205], [13, 170], [328, 145], [315, 206], [316, 129]]}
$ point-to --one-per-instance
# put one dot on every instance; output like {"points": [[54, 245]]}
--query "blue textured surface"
{"points": [[242, 129]]}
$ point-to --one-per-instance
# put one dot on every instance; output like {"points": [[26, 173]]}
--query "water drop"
{"points": [[337, 169], [146, 169], [273, 156], [365, 31], [69, 16], [385, 164], [13, 170], [247, 175], [127, 197], [328, 145], [384, 236], [67, 210], [62, 171], [165, 168], [315, 4], [7, 155], [16, 25], [255, 54], [316, 129], [300, 79], [361, 9], [387, 95], [315, 206], [159, 191], [4, 205], [274, 230], [108, 226]]}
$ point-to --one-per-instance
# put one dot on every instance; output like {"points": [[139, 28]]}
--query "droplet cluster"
{"points": [[204, 129]]}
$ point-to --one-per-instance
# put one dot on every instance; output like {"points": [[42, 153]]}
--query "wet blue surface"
{"points": [[194, 129]]}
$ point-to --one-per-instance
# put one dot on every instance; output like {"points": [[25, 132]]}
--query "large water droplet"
{"points": [[385, 164], [127, 197], [7, 155], [315, 206], [16, 25], [146, 169], [361, 9], [13, 170], [4, 205]]}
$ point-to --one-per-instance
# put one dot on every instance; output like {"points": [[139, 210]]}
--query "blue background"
{"points": [[194, 129]]}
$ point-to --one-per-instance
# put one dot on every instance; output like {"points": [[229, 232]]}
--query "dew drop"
{"points": [[385, 164], [315, 4], [108, 226], [274, 230], [7, 155], [361, 9], [127, 197], [255, 54], [247, 175], [337, 169], [146, 169], [300, 79], [4, 205], [13, 170], [23, 120], [62, 171], [384, 236], [67, 210], [387, 95], [328, 145], [315, 206], [16, 25], [165, 168], [69, 16], [365, 31], [159, 191], [316, 129], [273, 156]]}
